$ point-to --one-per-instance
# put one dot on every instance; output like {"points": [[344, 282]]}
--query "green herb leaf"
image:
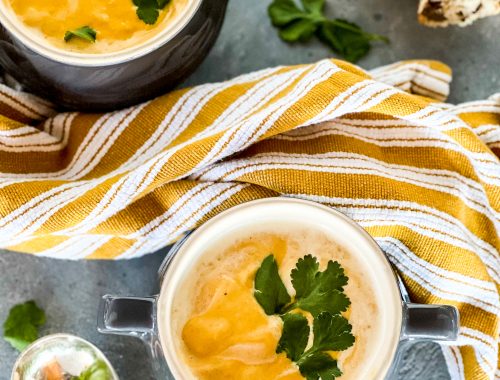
{"points": [[331, 333], [283, 12], [270, 292], [332, 301], [294, 337], [304, 275], [97, 371], [162, 3], [319, 365], [21, 326], [85, 33], [319, 291], [301, 30], [334, 277], [314, 6], [347, 38], [343, 37], [149, 10]]}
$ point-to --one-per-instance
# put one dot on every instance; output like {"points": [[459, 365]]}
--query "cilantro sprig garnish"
{"points": [[322, 295], [85, 33], [300, 24], [21, 326], [149, 10]]}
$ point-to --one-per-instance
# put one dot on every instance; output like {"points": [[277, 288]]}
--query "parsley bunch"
{"points": [[343, 37], [322, 295]]}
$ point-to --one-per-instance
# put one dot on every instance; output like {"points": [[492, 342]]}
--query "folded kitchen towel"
{"points": [[421, 176]]}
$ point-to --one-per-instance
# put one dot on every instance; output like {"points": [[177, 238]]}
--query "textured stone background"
{"points": [[69, 291]]}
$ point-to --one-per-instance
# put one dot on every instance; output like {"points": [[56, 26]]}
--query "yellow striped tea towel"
{"points": [[421, 176]]}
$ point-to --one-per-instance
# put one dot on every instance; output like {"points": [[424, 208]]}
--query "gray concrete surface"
{"points": [[69, 291]]}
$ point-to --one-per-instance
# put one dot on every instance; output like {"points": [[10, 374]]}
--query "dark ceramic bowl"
{"points": [[110, 81]]}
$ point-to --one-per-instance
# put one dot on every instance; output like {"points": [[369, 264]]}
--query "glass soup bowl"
{"points": [[106, 81], [149, 318]]}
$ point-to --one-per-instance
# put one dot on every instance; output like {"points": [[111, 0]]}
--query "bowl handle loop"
{"points": [[136, 317], [438, 323], [131, 316]]}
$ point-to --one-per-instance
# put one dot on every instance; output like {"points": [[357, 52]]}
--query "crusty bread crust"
{"points": [[455, 12]]}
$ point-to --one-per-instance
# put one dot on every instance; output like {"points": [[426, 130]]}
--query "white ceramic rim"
{"points": [[37, 44], [46, 338], [193, 248]]}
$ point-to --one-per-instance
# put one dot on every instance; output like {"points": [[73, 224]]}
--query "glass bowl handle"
{"points": [[135, 317], [439, 323]]}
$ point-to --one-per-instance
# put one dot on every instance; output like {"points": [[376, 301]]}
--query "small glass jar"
{"points": [[73, 355]]}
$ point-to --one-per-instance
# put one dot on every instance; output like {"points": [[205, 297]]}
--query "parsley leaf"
{"points": [[319, 365], [321, 299], [331, 333], [319, 291], [301, 30], [162, 3], [294, 337], [295, 24], [347, 39], [97, 371], [283, 12], [21, 326], [314, 6], [304, 274], [270, 292], [85, 33], [149, 10]]}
